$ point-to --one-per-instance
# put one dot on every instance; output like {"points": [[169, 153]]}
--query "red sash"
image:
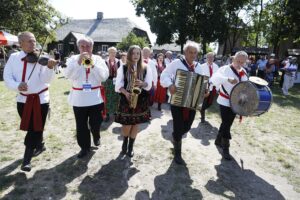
{"points": [[32, 107]]}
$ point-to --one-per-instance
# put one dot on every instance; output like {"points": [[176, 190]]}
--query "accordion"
{"points": [[190, 89]]}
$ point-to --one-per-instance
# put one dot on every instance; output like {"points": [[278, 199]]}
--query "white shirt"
{"points": [[152, 66], [167, 77], [168, 61], [221, 78], [120, 79], [77, 74], [206, 71], [39, 80]]}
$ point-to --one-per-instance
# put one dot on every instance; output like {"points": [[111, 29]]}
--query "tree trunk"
{"points": [[204, 46], [259, 21]]}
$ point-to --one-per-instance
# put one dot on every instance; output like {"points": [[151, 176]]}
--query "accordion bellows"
{"points": [[190, 89]]}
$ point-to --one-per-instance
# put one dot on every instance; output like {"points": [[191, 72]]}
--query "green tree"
{"points": [[132, 39], [37, 16], [181, 20]]}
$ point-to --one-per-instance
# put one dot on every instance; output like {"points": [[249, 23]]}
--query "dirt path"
{"points": [[150, 174]]}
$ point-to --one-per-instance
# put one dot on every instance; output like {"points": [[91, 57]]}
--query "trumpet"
{"points": [[87, 62], [135, 92]]}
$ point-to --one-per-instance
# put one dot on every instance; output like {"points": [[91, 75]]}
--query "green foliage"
{"points": [[132, 39], [181, 20], [37, 16]]}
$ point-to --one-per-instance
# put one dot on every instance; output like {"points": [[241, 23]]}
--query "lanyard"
{"points": [[87, 72]]}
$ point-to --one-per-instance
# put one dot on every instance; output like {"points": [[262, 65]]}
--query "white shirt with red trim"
{"points": [[167, 77], [152, 66], [39, 80], [206, 72], [77, 75], [221, 78]]}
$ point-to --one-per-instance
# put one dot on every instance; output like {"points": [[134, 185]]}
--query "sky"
{"points": [[88, 9]]}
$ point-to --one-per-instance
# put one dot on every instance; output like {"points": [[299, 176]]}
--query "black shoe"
{"points": [[107, 118], [26, 166], [130, 152], [226, 154], [159, 107], [124, 145], [218, 141], [177, 153], [97, 142], [39, 150], [82, 153]]}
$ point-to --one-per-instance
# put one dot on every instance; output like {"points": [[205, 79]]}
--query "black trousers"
{"points": [[261, 74], [88, 119], [180, 127], [34, 138], [227, 116]]}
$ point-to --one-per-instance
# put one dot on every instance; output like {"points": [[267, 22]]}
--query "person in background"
{"points": [[160, 92], [208, 69], [290, 75], [152, 65]]}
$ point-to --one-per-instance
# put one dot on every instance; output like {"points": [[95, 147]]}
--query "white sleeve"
{"points": [[119, 79], [148, 78], [99, 71], [219, 77], [73, 69], [8, 76], [46, 74], [167, 74], [154, 73]]}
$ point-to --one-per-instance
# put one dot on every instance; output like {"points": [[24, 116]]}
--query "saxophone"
{"points": [[134, 92]]}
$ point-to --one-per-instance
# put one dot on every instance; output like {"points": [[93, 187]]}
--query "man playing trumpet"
{"points": [[86, 72]]}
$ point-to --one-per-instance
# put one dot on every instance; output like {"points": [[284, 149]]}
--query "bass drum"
{"points": [[251, 99]]}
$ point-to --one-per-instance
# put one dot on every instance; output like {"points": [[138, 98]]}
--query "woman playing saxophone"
{"points": [[132, 82]]}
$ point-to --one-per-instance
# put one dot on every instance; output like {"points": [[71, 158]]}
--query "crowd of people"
{"points": [[122, 86]]}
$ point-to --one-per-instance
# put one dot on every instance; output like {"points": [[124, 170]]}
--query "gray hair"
{"points": [[241, 53], [210, 54], [24, 34], [191, 44], [112, 49], [147, 49], [87, 39]]}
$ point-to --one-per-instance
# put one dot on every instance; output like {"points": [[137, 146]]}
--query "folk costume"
{"points": [[182, 117], [112, 97], [220, 80], [208, 70], [32, 105], [86, 99], [161, 92]]}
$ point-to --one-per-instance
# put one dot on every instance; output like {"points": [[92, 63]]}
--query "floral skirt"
{"points": [[129, 116], [112, 97]]}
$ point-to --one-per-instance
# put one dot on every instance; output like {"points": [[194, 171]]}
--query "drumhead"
{"points": [[244, 98], [258, 81]]}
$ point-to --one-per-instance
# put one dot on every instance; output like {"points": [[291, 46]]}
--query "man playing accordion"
{"points": [[182, 117]]}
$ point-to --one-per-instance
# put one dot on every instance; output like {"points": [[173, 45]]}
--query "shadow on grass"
{"points": [[48, 183], [176, 183], [234, 182], [110, 182], [205, 132], [293, 99]]}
